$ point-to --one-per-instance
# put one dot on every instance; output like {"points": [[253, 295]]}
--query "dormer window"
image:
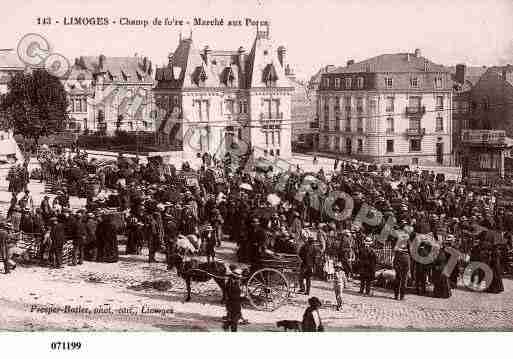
{"points": [[414, 82], [337, 83], [326, 82], [200, 76], [228, 77], [203, 76], [270, 76], [349, 82]]}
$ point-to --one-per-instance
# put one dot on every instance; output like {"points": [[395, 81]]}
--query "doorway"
{"points": [[440, 153]]}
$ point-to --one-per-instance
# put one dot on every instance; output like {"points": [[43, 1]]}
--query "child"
{"points": [[209, 239], [339, 284]]}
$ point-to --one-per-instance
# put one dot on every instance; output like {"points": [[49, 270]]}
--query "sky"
{"points": [[315, 33]]}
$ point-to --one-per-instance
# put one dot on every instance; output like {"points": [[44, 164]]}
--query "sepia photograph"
{"points": [[256, 166]]}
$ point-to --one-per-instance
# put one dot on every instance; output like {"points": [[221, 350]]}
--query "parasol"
{"points": [[183, 242], [310, 178], [273, 199], [246, 186]]}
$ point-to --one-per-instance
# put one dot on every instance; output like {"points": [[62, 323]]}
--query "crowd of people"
{"points": [[155, 204]]}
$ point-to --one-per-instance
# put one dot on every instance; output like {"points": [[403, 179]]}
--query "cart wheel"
{"points": [[267, 289]]}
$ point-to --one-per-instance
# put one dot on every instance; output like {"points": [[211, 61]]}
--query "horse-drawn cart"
{"points": [[268, 282], [272, 280]]}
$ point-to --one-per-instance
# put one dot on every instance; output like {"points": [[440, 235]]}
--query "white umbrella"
{"points": [[273, 199], [183, 242], [246, 186], [310, 178]]}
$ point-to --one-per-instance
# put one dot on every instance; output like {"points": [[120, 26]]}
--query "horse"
{"points": [[192, 270]]}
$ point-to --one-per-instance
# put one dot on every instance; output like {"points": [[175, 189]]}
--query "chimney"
{"points": [[329, 68], [426, 66], [350, 62], [460, 73], [206, 54], [417, 53], [408, 57], [170, 59], [242, 63], [281, 55], [101, 62]]}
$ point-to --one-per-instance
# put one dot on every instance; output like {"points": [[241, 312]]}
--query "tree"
{"points": [[35, 105]]}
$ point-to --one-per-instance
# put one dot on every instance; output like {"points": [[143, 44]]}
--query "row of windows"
{"points": [[348, 144], [78, 104], [359, 82], [415, 145], [415, 124], [348, 82], [390, 124], [230, 107], [414, 102]]}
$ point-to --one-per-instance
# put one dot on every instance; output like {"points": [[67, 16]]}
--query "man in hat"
{"points": [[256, 240], [344, 252], [4, 246], [151, 233], [233, 300], [90, 243], [58, 238], [208, 237], [311, 318], [401, 266], [367, 266], [307, 255], [79, 237]]}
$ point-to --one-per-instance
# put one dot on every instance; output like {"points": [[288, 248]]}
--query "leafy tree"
{"points": [[35, 105]]}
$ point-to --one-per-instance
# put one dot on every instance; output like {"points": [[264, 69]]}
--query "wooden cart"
{"points": [[272, 281]]}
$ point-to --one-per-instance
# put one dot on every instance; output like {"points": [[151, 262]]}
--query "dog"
{"points": [[287, 325]]}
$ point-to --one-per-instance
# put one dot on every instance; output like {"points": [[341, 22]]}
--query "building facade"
{"points": [[214, 100], [464, 79], [393, 108], [492, 100], [110, 93]]}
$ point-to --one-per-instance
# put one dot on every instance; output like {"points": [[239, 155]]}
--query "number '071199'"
{"points": [[65, 345]]}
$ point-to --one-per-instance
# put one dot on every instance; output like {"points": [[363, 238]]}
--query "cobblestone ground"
{"points": [[133, 283]]}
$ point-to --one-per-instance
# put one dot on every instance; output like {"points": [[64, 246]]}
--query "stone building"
{"points": [[111, 93], [492, 100], [219, 99], [392, 108], [464, 79]]}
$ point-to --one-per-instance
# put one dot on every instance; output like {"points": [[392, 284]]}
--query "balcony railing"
{"points": [[415, 110], [271, 116], [415, 131]]}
